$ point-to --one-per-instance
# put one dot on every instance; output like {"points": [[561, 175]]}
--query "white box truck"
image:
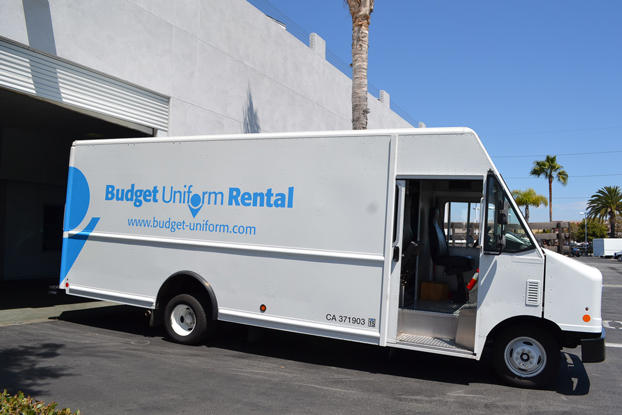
{"points": [[367, 236], [607, 247]]}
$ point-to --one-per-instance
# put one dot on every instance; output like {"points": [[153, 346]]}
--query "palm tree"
{"points": [[550, 170], [528, 198], [606, 202], [360, 10]]}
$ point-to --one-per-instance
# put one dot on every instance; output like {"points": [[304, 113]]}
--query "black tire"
{"points": [[185, 320], [526, 356]]}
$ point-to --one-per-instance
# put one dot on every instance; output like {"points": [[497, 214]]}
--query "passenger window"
{"points": [[461, 223], [516, 236]]}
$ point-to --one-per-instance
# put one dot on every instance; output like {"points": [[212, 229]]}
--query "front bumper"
{"points": [[593, 350]]}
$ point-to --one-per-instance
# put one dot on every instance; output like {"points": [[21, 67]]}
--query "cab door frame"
{"points": [[506, 278], [396, 261]]}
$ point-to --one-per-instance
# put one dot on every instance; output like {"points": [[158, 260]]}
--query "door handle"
{"points": [[396, 253]]}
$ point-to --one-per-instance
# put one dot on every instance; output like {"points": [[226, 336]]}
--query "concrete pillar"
{"points": [[317, 45]]}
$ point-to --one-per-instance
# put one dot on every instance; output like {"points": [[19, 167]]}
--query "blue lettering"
{"points": [[234, 195], [129, 194], [290, 197], [187, 192], [109, 192], [216, 194], [269, 195], [175, 193], [164, 195], [246, 199], [258, 199], [138, 201], [279, 200], [195, 201]]}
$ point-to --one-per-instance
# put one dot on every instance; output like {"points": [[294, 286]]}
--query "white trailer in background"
{"points": [[339, 234], [607, 247]]}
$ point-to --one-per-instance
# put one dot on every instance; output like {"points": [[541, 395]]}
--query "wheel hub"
{"points": [[188, 318]]}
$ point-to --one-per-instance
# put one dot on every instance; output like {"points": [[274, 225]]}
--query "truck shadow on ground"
{"points": [[33, 294], [572, 378], [250, 343], [119, 318]]}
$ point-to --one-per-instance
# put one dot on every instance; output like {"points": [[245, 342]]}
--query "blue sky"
{"points": [[530, 77]]}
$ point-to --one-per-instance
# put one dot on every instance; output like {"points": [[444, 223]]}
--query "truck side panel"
{"points": [[283, 223]]}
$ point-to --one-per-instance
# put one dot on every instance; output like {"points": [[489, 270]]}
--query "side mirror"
{"points": [[502, 212]]}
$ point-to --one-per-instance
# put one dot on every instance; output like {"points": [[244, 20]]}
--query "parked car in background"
{"points": [[584, 248], [577, 249], [618, 255]]}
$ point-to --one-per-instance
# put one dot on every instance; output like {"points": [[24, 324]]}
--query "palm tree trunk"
{"points": [[551, 199], [527, 213], [612, 224], [360, 47]]}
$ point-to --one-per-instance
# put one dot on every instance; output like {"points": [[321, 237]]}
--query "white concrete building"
{"points": [[72, 69]]}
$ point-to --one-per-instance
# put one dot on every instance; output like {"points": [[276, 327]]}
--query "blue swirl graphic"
{"points": [[76, 208], [78, 199]]}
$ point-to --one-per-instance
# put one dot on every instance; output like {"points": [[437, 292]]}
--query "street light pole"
{"points": [[585, 221]]}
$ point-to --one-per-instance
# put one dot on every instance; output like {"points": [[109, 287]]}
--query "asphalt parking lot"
{"points": [[104, 359]]}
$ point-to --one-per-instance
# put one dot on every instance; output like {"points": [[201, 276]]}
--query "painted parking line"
{"points": [[612, 325], [618, 345]]}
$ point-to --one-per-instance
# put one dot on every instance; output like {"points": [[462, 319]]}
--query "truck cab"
{"points": [[471, 274]]}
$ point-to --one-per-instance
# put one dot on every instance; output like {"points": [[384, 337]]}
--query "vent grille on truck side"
{"points": [[532, 296]]}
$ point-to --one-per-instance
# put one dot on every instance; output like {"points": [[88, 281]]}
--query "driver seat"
{"points": [[439, 250]]}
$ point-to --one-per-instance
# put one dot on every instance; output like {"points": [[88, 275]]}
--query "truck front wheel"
{"points": [[185, 320], [526, 356]]}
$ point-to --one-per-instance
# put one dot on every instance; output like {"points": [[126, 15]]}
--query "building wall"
{"points": [[226, 66]]}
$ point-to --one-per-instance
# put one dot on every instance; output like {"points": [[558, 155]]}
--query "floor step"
{"points": [[433, 342]]}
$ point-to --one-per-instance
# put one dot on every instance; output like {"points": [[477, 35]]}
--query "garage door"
{"points": [[56, 80]]}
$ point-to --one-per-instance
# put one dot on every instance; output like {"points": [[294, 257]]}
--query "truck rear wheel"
{"points": [[526, 356], [185, 320]]}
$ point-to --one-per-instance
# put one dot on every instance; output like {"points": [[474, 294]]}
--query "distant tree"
{"points": [[606, 202], [528, 198], [550, 169], [360, 10], [595, 229]]}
